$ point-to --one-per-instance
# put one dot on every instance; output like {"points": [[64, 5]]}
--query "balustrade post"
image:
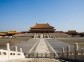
{"points": [[8, 49], [68, 50], [63, 52], [37, 54], [16, 49], [21, 50], [76, 50]]}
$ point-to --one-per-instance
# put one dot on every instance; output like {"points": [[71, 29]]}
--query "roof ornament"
{"points": [[36, 23], [47, 23]]}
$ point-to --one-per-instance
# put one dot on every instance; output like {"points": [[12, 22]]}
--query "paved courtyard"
{"points": [[37, 46]]}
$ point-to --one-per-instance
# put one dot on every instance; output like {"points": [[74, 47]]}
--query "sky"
{"points": [[20, 15]]}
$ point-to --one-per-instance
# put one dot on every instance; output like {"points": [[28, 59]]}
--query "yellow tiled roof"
{"points": [[42, 26]]}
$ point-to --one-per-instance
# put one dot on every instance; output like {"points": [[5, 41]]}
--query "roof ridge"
{"points": [[41, 23]]}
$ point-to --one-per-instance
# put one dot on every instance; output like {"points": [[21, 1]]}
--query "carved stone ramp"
{"points": [[42, 47]]}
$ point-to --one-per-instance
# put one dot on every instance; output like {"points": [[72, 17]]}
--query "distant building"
{"points": [[2, 34], [72, 32], [59, 32], [11, 33], [81, 34], [42, 28]]}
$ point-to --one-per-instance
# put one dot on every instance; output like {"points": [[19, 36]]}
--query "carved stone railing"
{"points": [[11, 55]]}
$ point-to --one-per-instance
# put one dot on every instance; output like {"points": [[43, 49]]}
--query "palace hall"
{"points": [[42, 28]]}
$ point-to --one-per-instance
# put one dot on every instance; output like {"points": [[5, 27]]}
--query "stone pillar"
{"points": [[76, 46], [63, 49], [76, 50], [48, 35], [41, 35], [8, 49], [8, 46], [63, 52], [16, 49], [68, 50], [21, 50]]}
